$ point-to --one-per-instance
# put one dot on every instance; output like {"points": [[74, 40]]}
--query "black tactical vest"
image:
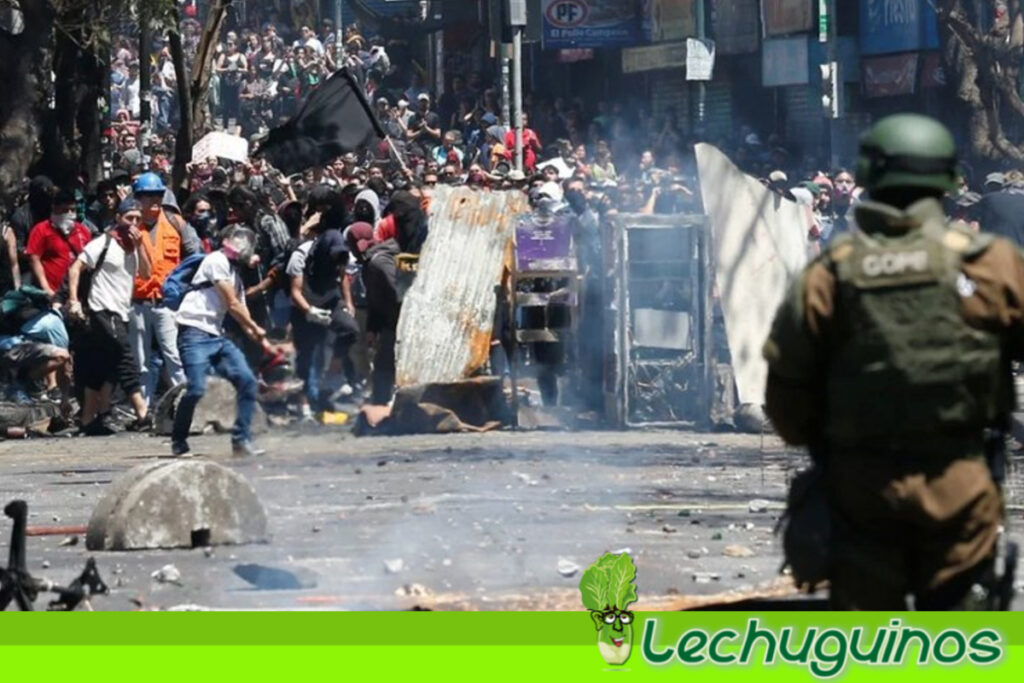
{"points": [[903, 362]]}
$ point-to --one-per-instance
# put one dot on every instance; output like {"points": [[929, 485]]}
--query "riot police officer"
{"points": [[890, 360]]}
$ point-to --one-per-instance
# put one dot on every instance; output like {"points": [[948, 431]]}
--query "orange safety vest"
{"points": [[164, 255]]}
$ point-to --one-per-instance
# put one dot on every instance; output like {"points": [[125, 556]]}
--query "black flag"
{"points": [[334, 119]]}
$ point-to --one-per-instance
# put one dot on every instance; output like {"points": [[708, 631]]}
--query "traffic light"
{"points": [[830, 84]]}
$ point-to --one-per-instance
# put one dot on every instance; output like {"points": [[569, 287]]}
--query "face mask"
{"points": [[577, 201], [63, 222]]}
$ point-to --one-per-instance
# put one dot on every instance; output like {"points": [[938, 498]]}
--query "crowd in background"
{"points": [[325, 241]]}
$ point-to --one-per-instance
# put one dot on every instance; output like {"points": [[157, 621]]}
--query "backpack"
{"points": [[321, 275], [179, 282]]}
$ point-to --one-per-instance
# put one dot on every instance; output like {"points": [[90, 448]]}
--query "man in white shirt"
{"points": [[216, 291], [104, 354]]}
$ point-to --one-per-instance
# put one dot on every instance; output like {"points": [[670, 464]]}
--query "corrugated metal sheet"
{"points": [[444, 332]]}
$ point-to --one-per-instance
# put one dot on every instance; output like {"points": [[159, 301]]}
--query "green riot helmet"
{"points": [[907, 151]]}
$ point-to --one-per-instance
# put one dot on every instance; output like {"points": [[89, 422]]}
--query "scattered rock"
{"points": [[70, 540], [413, 590], [717, 536], [567, 568], [683, 513], [706, 577], [45, 564], [693, 554], [748, 526], [525, 478], [758, 505], [208, 551], [394, 566], [737, 551], [622, 551], [167, 574], [316, 529]]}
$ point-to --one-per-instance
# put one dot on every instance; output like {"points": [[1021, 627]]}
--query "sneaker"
{"points": [[246, 449], [343, 392], [142, 424], [98, 427], [180, 449]]}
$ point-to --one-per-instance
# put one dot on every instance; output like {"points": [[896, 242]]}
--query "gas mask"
{"points": [[240, 246]]}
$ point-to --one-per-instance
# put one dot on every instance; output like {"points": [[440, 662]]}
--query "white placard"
{"points": [[221, 145]]}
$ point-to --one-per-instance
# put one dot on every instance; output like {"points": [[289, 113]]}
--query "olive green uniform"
{"points": [[889, 358]]}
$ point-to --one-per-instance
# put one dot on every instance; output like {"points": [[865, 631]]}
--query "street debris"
{"points": [[69, 541], [525, 478], [267, 578], [167, 574], [706, 577], [413, 590], [394, 566], [737, 551], [177, 504], [669, 529], [758, 505], [567, 568]]}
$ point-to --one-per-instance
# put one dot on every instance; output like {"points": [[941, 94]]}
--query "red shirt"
{"points": [[55, 251], [531, 143]]}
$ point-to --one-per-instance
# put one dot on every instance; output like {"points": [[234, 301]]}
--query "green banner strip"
{"points": [[439, 628], [488, 663]]}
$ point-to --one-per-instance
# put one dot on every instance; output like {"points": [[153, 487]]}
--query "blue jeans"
{"points": [[146, 322], [310, 356], [200, 352], [47, 328]]}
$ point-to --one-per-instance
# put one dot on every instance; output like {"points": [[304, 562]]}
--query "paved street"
{"points": [[444, 522], [487, 521]]}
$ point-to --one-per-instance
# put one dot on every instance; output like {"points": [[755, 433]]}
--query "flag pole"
{"points": [[398, 156]]}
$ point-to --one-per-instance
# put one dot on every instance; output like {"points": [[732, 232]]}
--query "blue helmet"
{"points": [[148, 183]]}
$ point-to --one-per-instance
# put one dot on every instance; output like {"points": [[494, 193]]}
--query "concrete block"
{"points": [[215, 411], [177, 504]]}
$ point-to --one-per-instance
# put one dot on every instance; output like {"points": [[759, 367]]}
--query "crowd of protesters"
{"points": [[308, 259]]}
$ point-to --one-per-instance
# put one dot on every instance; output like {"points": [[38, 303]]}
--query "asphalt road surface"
{"points": [[491, 521]]}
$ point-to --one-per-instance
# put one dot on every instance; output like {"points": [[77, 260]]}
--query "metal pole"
{"points": [[339, 35], [506, 107], [833, 60], [517, 59], [702, 88], [145, 79]]}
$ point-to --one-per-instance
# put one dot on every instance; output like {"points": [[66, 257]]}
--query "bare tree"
{"points": [[204, 64], [983, 70], [25, 61]]}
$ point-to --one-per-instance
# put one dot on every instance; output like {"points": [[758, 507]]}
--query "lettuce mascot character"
{"points": [[607, 588]]}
